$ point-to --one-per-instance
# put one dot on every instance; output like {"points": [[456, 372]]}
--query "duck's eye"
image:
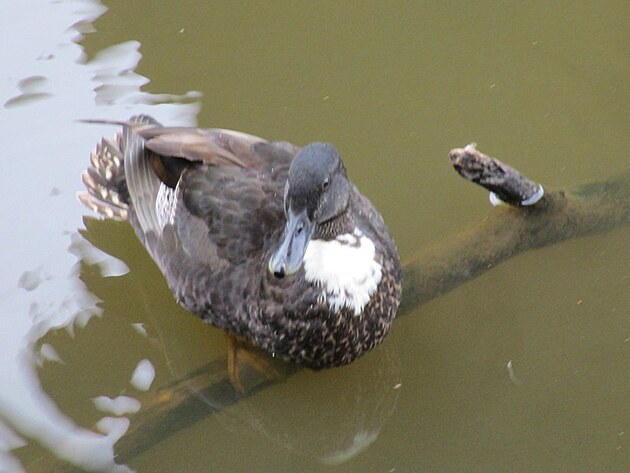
{"points": [[325, 184]]}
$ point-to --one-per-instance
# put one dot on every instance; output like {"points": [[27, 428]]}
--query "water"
{"points": [[524, 369]]}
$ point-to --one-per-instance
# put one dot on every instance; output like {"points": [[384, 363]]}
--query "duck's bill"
{"points": [[288, 257]]}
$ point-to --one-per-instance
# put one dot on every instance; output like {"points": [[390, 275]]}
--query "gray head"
{"points": [[317, 192]]}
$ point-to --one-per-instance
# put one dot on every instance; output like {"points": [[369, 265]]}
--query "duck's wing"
{"points": [[232, 213], [213, 147], [226, 191], [220, 239], [220, 187]]}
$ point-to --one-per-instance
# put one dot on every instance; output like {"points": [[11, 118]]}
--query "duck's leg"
{"points": [[232, 363], [240, 351]]}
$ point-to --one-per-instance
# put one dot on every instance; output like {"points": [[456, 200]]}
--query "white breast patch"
{"points": [[345, 268]]}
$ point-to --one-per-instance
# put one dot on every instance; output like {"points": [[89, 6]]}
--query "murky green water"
{"points": [[525, 369]]}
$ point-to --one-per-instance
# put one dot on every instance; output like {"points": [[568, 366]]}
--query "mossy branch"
{"points": [[513, 228]]}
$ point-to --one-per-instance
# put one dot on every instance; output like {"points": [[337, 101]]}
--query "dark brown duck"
{"points": [[265, 240]]}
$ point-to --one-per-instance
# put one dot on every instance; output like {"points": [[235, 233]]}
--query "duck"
{"points": [[268, 241]]}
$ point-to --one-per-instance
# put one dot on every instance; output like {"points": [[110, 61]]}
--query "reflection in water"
{"points": [[119, 406], [46, 90], [29, 280], [143, 375], [31, 88], [118, 83], [337, 415]]}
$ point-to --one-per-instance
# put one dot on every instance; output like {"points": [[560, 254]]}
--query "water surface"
{"points": [[525, 369]]}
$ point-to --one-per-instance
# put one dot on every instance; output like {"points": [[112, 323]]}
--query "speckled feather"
{"points": [[228, 219]]}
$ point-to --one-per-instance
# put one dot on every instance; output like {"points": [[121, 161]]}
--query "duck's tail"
{"points": [[119, 169], [106, 187]]}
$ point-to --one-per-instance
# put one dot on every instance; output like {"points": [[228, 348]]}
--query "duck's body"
{"points": [[262, 239]]}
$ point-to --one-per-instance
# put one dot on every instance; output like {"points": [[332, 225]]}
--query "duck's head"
{"points": [[316, 194]]}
